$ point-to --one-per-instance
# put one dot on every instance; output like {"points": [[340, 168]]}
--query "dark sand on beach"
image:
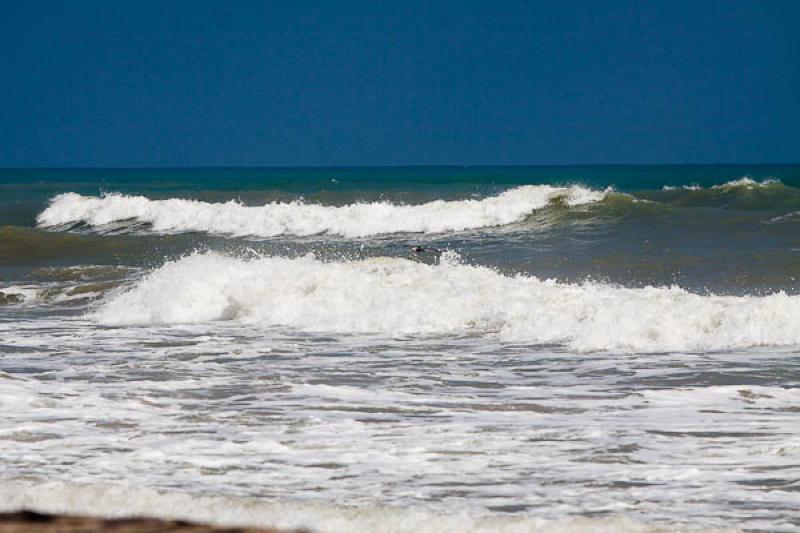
{"points": [[33, 522]]}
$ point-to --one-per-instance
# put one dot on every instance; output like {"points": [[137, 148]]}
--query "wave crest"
{"points": [[747, 182], [743, 194], [301, 219], [398, 297]]}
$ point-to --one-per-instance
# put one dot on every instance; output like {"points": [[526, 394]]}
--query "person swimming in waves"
{"points": [[423, 250]]}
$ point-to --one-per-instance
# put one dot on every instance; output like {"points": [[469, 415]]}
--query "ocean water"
{"points": [[578, 348]]}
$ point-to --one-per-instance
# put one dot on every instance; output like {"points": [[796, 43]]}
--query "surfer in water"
{"points": [[423, 250]]}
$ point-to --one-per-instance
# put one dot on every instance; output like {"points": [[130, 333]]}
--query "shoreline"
{"points": [[27, 521]]}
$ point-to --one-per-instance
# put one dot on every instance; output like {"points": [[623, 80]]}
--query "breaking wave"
{"points": [[302, 219], [118, 213], [399, 297], [739, 194], [744, 183]]}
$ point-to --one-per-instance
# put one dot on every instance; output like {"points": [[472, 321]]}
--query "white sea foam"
{"points": [[301, 219], [351, 434], [794, 216], [19, 294], [398, 297], [746, 183], [51, 293], [116, 501], [692, 187], [740, 183]]}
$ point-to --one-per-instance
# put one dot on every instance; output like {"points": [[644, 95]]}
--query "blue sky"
{"points": [[260, 83]]}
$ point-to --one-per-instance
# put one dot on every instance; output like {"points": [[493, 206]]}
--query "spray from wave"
{"points": [[398, 297], [301, 219]]}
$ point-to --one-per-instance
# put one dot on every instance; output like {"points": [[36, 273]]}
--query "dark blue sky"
{"points": [[246, 83]]}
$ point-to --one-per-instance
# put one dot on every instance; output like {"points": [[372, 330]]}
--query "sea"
{"points": [[404, 349]]}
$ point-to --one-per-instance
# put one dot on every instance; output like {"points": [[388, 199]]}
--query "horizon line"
{"points": [[385, 166]]}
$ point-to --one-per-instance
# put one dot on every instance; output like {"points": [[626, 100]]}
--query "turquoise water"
{"points": [[464, 349]]}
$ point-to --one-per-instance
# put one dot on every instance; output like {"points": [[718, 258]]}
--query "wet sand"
{"points": [[33, 522]]}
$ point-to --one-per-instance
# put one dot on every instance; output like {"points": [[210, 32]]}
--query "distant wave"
{"points": [[119, 214], [302, 219], [743, 194], [398, 297], [748, 183], [741, 183]]}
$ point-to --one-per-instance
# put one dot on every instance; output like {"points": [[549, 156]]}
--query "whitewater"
{"points": [[301, 219], [400, 297], [506, 349]]}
